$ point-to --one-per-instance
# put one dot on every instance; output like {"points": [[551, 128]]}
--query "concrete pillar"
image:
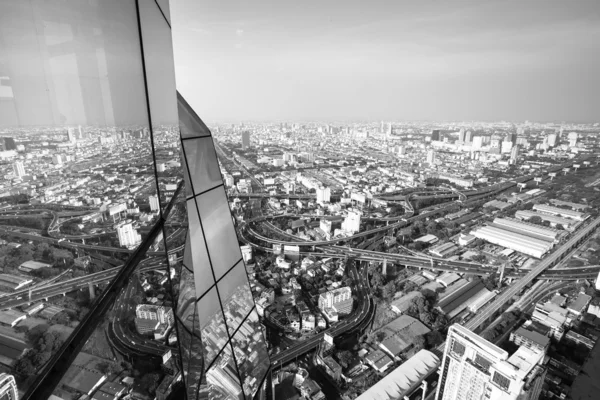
{"points": [[424, 387], [92, 291]]}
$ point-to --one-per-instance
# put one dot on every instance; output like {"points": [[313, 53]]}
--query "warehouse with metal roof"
{"points": [[405, 379], [526, 228], [544, 208], [459, 298], [515, 241], [567, 223]]}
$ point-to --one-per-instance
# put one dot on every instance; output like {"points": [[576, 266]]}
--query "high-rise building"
{"points": [[506, 147], [245, 139], [514, 154], [323, 195], [473, 368], [352, 221], [339, 299], [128, 236], [154, 203], [7, 143], [124, 48], [468, 137], [19, 169], [431, 157], [8, 387], [552, 140], [435, 135], [461, 136], [477, 143], [71, 135], [325, 225]]}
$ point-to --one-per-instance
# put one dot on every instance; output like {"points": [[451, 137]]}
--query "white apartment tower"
{"points": [[323, 195], [128, 236], [338, 299], [154, 203], [431, 157], [352, 222], [19, 169], [473, 368]]}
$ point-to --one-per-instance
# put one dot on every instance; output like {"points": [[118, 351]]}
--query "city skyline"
{"points": [[391, 60]]}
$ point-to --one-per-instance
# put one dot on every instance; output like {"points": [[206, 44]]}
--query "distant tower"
{"points": [[19, 169], [154, 203], [468, 137], [461, 136], [71, 135], [514, 154], [245, 140], [431, 157]]}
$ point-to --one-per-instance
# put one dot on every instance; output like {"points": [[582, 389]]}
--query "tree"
{"points": [[429, 295], [419, 342], [150, 382], [345, 358], [434, 338], [388, 290], [24, 367]]}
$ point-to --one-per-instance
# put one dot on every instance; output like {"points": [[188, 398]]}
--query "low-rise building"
{"points": [[530, 339]]}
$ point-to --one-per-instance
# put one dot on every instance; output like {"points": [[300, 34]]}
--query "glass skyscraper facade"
{"points": [[119, 247]]}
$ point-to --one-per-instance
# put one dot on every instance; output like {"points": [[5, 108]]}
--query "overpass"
{"points": [[38, 293], [363, 313], [483, 315]]}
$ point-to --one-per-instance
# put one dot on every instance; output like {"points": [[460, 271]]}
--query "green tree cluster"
{"points": [[45, 343]]}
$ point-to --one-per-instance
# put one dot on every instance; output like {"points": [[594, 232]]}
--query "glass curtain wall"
{"points": [[93, 145]]}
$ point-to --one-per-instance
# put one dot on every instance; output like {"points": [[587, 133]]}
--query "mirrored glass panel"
{"points": [[202, 163], [160, 78], [222, 378], [200, 260], [236, 296], [211, 325], [220, 234], [190, 124], [251, 354]]}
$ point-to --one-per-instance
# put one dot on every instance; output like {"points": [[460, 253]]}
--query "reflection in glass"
{"points": [[160, 79], [201, 263], [190, 124], [236, 296], [223, 378], [202, 163], [211, 326], [219, 230], [251, 354]]}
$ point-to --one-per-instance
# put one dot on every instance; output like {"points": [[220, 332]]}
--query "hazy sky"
{"points": [[390, 60]]}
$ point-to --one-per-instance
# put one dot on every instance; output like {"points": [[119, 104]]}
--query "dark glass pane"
{"points": [[202, 163], [222, 378], [211, 325], [200, 261], [220, 234], [251, 354], [236, 296], [190, 125], [160, 76]]}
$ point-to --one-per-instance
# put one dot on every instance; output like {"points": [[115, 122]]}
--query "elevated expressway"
{"points": [[33, 294], [483, 315]]}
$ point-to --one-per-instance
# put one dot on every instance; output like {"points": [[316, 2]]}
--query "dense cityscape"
{"points": [[376, 255], [148, 255]]}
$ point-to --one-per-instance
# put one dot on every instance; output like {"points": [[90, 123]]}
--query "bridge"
{"points": [[483, 315]]}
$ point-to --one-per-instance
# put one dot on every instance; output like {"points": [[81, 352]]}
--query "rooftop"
{"points": [[404, 379]]}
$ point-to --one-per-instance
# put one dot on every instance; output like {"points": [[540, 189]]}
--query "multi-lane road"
{"points": [[357, 319], [484, 314]]}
